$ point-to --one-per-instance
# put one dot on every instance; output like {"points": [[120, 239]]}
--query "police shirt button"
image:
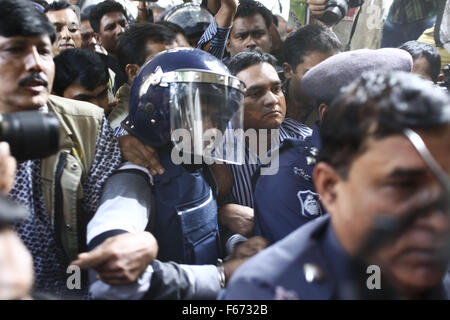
{"points": [[74, 166], [68, 227], [310, 161], [312, 272]]}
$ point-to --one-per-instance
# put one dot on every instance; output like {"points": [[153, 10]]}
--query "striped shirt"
{"points": [[218, 37], [242, 192], [408, 11]]}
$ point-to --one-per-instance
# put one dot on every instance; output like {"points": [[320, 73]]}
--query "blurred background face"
{"points": [[98, 96], [422, 67], [398, 183], [264, 102], [68, 35], [26, 72], [88, 40], [309, 61], [249, 33], [112, 25]]}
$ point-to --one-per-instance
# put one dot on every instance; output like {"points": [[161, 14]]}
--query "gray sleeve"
{"points": [[125, 204], [180, 282]]}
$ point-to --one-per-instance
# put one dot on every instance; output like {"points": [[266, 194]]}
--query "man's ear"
{"points": [[322, 109], [287, 70], [325, 180], [132, 70], [227, 45]]}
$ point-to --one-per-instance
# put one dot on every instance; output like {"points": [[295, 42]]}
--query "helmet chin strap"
{"points": [[423, 151]]}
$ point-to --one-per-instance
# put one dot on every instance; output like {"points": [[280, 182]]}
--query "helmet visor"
{"points": [[203, 116]]}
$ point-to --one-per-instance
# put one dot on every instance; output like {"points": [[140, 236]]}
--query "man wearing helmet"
{"points": [[169, 98]]}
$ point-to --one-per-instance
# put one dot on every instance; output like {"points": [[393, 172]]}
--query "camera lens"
{"points": [[30, 134]]}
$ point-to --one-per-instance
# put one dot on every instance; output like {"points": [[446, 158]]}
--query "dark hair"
{"points": [[42, 3], [23, 18], [249, 8], [85, 13], [419, 49], [79, 65], [84, 16], [97, 12], [132, 44], [62, 4], [308, 39], [173, 26], [275, 20], [246, 59], [379, 104]]}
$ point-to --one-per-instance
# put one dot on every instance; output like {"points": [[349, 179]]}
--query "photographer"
{"points": [[331, 11]]}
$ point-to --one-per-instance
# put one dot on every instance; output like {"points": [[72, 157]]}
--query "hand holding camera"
{"points": [[331, 12]]}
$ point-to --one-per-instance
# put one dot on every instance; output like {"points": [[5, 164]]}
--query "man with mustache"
{"points": [[383, 176], [65, 17], [62, 191]]}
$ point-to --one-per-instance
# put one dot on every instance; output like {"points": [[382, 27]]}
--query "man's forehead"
{"points": [[249, 24], [26, 40], [438, 143], [395, 153], [111, 17], [63, 15], [258, 73], [76, 89]]}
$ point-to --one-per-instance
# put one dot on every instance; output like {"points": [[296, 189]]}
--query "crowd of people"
{"points": [[200, 155]]}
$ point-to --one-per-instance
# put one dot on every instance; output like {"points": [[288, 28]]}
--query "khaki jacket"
{"points": [[62, 174], [120, 111]]}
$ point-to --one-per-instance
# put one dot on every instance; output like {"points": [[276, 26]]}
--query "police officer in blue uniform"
{"points": [[288, 199], [383, 162]]}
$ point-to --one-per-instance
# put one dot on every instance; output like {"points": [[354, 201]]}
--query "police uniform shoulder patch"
{"points": [[310, 204]]}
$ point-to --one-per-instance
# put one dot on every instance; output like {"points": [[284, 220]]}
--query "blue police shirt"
{"points": [[287, 200]]}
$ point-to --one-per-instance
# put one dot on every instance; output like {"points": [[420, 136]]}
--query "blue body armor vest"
{"points": [[185, 222], [287, 200]]}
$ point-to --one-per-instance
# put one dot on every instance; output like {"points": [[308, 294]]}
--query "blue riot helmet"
{"points": [[186, 97], [193, 18]]}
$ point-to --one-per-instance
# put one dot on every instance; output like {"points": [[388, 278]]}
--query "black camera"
{"points": [[30, 134], [336, 10]]}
